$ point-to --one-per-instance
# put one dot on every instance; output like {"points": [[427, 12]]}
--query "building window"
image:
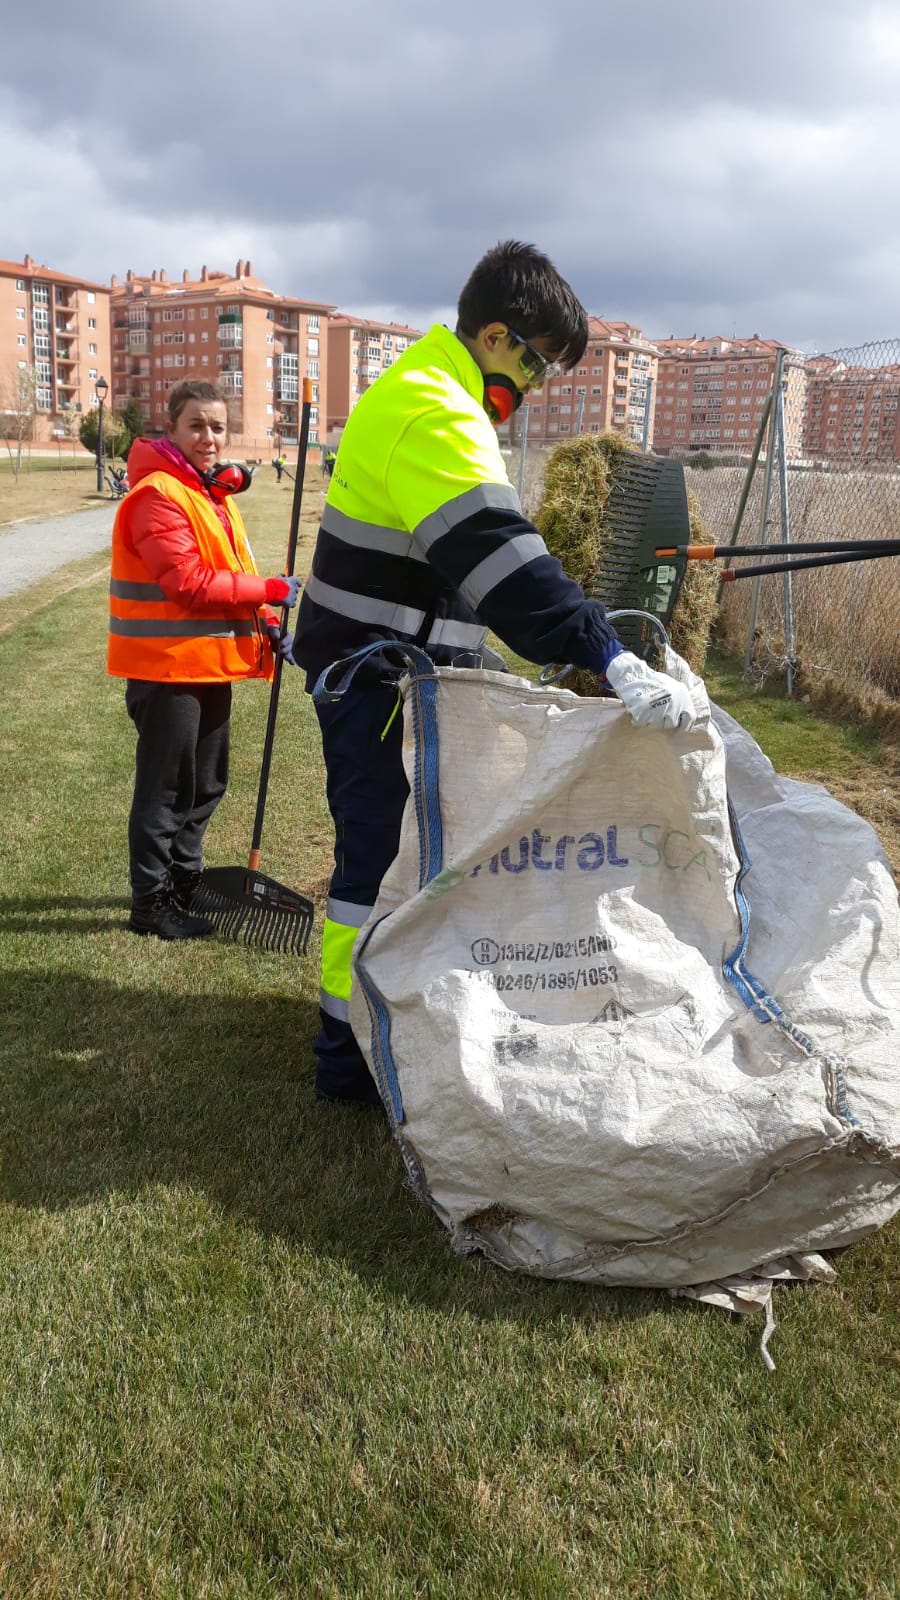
{"points": [[20, 313], [312, 369], [268, 361], [313, 323], [92, 298], [312, 348], [270, 411], [21, 340], [20, 285], [204, 312], [204, 338], [92, 349], [269, 383]]}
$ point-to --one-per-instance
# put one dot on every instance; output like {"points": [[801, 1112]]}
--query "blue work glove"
{"points": [[283, 591], [281, 647]]}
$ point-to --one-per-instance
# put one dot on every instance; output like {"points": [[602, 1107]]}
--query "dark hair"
{"points": [[192, 389], [516, 283]]}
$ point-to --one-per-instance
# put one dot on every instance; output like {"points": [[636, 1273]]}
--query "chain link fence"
{"points": [[845, 484]]}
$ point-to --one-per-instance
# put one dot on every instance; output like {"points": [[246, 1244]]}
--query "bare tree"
{"points": [[18, 404]]}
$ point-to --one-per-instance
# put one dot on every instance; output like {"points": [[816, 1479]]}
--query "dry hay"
{"points": [[578, 480]]}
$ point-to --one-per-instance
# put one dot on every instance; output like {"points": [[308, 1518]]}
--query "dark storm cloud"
{"points": [[695, 168]]}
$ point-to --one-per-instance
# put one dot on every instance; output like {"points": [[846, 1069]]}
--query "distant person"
{"points": [[329, 461], [188, 616], [279, 464], [422, 539]]}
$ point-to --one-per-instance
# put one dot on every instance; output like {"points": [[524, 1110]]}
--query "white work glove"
{"points": [[653, 699]]}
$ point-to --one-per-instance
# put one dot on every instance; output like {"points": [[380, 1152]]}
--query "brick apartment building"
{"points": [[609, 389], [57, 326], [710, 395], [359, 350], [852, 412], [227, 328]]}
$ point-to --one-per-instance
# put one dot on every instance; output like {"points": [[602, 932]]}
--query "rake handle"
{"points": [[712, 552], [841, 558], [275, 691]]}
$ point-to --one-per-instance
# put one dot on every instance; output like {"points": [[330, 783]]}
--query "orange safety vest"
{"points": [[152, 638]]}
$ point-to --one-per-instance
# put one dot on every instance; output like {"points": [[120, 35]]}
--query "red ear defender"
{"points": [[501, 398], [227, 477]]}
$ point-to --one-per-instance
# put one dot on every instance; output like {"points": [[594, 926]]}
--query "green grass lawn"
{"points": [[237, 1358], [48, 486]]}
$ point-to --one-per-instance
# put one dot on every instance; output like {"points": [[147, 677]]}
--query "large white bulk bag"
{"points": [[631, 999]]}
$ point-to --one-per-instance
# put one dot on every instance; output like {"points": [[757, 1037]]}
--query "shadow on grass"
{"points": [[108, 1089], [62, 913]]}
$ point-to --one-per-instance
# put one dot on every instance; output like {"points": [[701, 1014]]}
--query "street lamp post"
{"points": [[101, 389]]}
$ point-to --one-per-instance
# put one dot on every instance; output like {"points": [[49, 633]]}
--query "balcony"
{"points": [[288, 391], [230, 335], [139, 342], [232, 382]]}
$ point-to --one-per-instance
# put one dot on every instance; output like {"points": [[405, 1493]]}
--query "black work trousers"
{"points": [[181, 774]]}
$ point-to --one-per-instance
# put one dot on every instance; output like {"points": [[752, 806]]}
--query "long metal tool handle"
{"points": [[713, 552], [302, 446], [842, 558]]}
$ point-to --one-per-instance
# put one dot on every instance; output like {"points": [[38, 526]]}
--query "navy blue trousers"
{"points": [[367, 791]]}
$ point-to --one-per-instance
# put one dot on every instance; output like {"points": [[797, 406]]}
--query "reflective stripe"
{"points": [[462, 635], [337, 948], [216, 628], [121, 590], [369, 535], [499, 496], [334, 1007], [346, 913], [512, 555], [362, 608]]}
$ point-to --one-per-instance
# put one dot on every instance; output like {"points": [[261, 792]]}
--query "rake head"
{"points": [[648, 495], [252, 909]]}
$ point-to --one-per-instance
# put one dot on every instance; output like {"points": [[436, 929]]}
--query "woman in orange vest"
{"points": [[187, 616]]}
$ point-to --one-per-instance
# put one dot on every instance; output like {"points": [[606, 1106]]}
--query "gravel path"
{"points": [[28, 550]]}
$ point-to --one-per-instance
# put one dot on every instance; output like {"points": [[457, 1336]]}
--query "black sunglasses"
{"points": [[537, 368]]}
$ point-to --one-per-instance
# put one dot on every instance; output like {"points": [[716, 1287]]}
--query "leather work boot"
{"points": [[183, 888], [160, 914]]}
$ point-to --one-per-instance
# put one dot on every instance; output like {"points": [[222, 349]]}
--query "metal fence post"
{"points": [[786, 539], [523, 445], [764, 513]]}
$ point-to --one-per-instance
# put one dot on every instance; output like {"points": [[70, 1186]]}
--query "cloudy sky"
{"points": [[693, 166]]}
